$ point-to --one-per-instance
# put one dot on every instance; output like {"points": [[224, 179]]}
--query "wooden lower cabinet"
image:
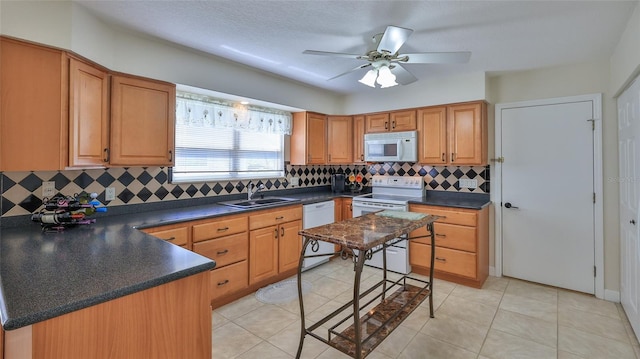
{"points": [[250, 251], [347, 208], [172, 320], [177, 234], [274, 243], [462, 245]]}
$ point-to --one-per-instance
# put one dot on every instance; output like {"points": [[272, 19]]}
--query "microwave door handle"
{"points": [[400, 149]]}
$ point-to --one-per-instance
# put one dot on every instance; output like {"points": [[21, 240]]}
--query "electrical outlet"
{"points": [[48, 189], [468, 183], [295, 182], [109, 194]]}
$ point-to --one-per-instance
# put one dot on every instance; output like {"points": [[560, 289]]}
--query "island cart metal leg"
{"points": [[356, 303], [303, 328], [433, 256]]}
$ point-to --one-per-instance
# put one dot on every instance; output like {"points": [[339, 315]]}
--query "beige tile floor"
{"points": [[506, 319]]}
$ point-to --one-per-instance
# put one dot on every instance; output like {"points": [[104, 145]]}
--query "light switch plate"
{"points": [[468, 183], [109, 194], [295, 182], [48, 189]]}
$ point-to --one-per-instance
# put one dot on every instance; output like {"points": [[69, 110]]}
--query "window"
{"points": [[220, 141]]}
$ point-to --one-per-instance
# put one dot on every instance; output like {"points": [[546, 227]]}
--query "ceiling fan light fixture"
{"points": [[385, 77], [369, 78]]}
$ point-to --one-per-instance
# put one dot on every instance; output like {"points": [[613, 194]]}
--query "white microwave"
{"points": [[391, 147]]}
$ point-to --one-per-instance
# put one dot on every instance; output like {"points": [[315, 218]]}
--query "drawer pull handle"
{"points": [[443, 159], [279, 218], [282, 232], [441, 259], [440, 235], [220, 284], [276, 233], [222, 252], [223, 229], [170, 239]]}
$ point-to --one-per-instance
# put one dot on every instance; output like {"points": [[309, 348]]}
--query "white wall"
{"points": [[625, 61], [586, 78], [430, 91]]}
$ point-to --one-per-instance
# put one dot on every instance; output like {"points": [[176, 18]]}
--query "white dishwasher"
{"points": [[314, 215]]}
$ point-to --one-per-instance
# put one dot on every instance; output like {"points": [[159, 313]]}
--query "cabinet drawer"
{"points": [[177, 236], [225, 250], [219, 228], [450, 236], [275, 216], [229, 279], [447, 260], [450, 216]]}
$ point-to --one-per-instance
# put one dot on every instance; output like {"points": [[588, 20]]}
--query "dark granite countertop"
{"points": [[44, 275], [454, 199]]}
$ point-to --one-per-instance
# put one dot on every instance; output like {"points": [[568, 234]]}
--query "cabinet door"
{"points": [[432, 137], [403, 120], [88, 114], [377, 123], [316, 139], [347, 208], [337, 209], [289, 246], [33, 107], [263, 254], [340, 139], [358, 139], [142, 122], [467, 134]]}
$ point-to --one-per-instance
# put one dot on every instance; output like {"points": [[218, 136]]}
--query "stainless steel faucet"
{"points": [[250, 191]]}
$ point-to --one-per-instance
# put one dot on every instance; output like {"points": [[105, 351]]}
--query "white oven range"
{"points": [[390, 193]]}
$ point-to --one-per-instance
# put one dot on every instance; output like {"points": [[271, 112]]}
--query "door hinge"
{"points": [[594, 271], [594, 197], [498, 159], [593, 124]]}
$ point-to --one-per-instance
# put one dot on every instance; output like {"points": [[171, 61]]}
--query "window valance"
{"points": [[194, 110]]}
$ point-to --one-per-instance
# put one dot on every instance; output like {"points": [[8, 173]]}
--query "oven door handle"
{"points": [[386, 206]]}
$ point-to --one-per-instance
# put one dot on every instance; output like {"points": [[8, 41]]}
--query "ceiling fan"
{"points": [[384, 61]]}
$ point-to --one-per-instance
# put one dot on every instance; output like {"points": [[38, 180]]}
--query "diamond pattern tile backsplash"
{"points": [[22, 191]]}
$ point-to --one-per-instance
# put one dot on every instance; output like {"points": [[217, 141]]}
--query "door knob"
{"points": [[633, 221], [509, 205]]}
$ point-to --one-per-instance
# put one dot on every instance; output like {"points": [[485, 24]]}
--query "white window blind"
{"points": [[217, 141]]}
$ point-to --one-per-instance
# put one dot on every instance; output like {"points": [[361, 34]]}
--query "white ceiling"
{"points": [[271, 35]]}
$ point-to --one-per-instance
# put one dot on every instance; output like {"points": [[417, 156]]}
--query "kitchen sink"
{"points": [[259, 202]]}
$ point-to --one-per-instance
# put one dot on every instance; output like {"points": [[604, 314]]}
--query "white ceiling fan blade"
{"points": [[403, 77], [393, 39], [335, 54], [438, 57], [354, 69]]}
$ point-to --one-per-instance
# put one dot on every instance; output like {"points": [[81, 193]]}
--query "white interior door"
{"points": [[628, 132], [547, 187]]}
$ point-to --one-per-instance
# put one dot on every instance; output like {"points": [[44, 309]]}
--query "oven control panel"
{"points": [[415, 182]]}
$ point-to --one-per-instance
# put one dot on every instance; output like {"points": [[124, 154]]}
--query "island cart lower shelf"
{"points": [[359, 326]]}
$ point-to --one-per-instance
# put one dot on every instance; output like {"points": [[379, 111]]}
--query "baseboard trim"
{"points": [[612, 295]]}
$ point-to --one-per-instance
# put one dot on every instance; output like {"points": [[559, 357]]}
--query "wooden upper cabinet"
{"points": [[88, 114], [358, 139], [309, 139], [340, 139], [432, 138], [403, 120], [33, 107], [378, 122], [391, 121], [142, 122], [467, 132]]}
